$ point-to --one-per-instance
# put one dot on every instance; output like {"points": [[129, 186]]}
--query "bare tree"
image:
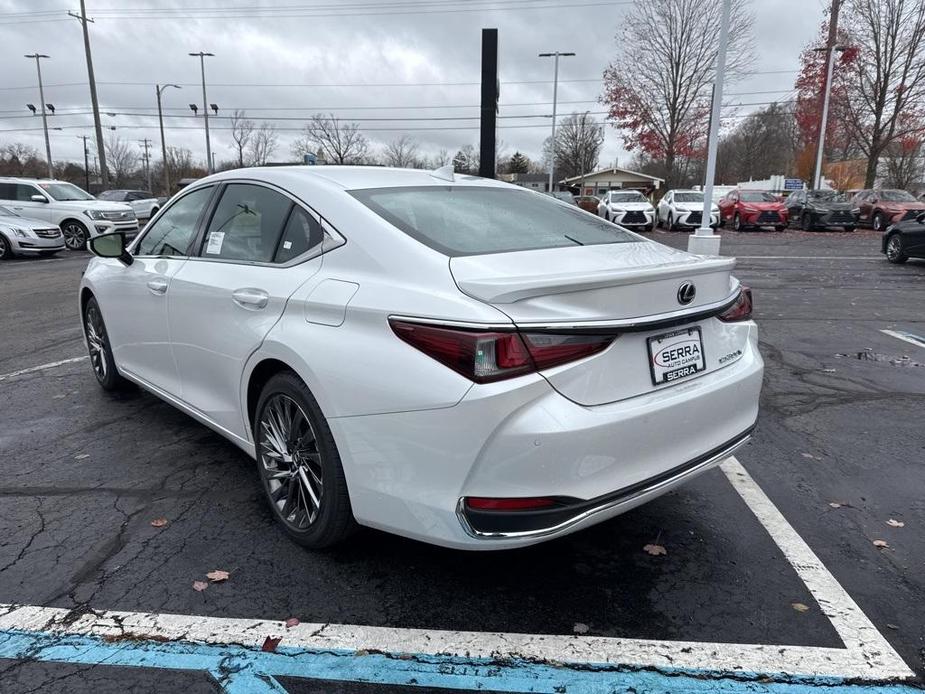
{"points": [[885, 81], [764, 143], [242, 130], [902, 162], [658, 88], [263, 144], [466, 160], [121, 159], [402, 152], [18, 159], [579, 139], [336, 141]]}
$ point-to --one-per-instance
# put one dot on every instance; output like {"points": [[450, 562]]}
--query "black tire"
{"points": [[806, 222], [878, 222], [6, 248], [670, 225], [316, 461], [894, 249], [849, 229], [737, 223], [76, 235], [606, 215], [99, 349], [780, 227]]}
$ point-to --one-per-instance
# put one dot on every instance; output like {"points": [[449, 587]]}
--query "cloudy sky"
{"points": [[394, 66]]}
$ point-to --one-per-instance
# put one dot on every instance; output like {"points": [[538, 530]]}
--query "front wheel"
{"points": [[75, 235], [737, 223], [6, 248], [299, 465], [104, 366], [849, 229], [806, 222], [894, 250], [779, 227]]}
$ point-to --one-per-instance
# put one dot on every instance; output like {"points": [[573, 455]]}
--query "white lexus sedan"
{"points": [[449, 358]]}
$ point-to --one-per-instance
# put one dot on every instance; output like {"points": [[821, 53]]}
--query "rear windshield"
{"points": [[468, 220]]}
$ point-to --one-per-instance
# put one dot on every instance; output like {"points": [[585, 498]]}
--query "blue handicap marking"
{"points": [[242, 670]]}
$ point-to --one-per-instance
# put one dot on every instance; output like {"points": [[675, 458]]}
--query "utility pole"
{"points": [[86, 163], [146, 143], [830, 48], [38, 66], [160, 119], [704, 241], [555, 95], [205, 105], [101, 150], [489, 104]]}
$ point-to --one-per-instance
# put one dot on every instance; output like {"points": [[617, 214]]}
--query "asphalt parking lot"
{"points": [[770, 579]]}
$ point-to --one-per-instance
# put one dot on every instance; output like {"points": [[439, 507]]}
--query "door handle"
{"points": [[249, 298], [158, 285]]}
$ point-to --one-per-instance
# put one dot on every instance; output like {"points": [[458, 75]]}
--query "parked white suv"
{"points": [[628, 208], [143, 202], [683, 209], [79, 214]]}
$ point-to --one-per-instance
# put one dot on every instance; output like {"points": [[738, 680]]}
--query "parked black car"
{"points": [[821, 209], [905, 240]]}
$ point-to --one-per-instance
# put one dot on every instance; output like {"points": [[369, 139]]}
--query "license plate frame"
{"points": [[687, 363]]}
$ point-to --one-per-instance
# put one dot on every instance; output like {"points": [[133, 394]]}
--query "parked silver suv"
{"points": [[79, 214]]}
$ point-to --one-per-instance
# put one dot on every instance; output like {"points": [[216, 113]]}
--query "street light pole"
{"points": [[555, 95], [704, 241], [160, 119], [38, 66], [86, 163], [205, 105]]}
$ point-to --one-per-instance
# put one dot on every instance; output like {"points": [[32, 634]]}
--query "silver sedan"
{"points": [[22, 235]]}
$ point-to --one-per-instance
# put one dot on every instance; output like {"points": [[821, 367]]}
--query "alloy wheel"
{"points": [[96, 342], [894, 249], [75, 237], [290, 462]]}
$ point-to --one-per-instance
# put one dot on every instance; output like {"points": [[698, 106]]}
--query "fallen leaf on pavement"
{"points": [[217, 576], [808, 455], [81, 456], [655, 550], [270, 643], [200, 585], [835, 504], [580, 628], [799, 606], [291, 622], [159, 522], [893, 523], [882, 544]]}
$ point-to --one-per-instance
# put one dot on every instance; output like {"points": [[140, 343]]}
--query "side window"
{"points": [[24, 193], [7, 191], [303, 232], [174, 230], [247, 224]]}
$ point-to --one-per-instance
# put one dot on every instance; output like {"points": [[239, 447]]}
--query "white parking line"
{"points": [[906, 337], [807, 257], [42, 367], [866, 656]]}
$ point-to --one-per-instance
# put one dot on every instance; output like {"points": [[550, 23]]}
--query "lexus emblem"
{"points": [[686, 293]]}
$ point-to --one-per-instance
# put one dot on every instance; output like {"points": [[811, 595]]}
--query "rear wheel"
{"points": [[104, 366], [299, 465], [75, 235], [6, 248], [879, 221], [894, 250]]}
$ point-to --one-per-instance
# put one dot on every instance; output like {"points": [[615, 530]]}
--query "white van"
{"points": [[79, 214]]}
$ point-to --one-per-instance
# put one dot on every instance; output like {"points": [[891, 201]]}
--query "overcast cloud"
{"points": [[408, 49]]}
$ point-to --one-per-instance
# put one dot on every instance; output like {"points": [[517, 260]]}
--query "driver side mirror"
{"points": [[39, 198], [111, 245]]}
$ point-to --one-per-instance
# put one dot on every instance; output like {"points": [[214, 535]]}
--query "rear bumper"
{"points": [[407, 472]]}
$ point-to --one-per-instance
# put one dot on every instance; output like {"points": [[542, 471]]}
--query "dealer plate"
{"points": [[676, 355]]}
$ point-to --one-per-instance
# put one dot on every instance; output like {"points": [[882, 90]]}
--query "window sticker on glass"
{"points": [[287, 245], [216, 239]]}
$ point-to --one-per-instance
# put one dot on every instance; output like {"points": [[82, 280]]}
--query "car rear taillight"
{"points": [[741, 309], [487, 356], [478, 503]]}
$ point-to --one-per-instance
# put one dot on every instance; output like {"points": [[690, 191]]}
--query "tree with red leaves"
{"points": [[658, 88]]}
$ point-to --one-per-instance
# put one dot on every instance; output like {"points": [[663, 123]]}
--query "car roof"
{"points": [[357, 177], [25, 179]]}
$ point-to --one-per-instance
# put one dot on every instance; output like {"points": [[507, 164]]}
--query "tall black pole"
{"points": [[94, 102], [86, 164], [490, 96]]}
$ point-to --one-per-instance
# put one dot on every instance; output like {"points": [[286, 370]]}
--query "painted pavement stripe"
{"points": [[42, 367], [906, 337], [867, 656]]}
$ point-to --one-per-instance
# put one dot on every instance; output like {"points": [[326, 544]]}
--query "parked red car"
{"points": [[750, 209], [881, 208]]}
